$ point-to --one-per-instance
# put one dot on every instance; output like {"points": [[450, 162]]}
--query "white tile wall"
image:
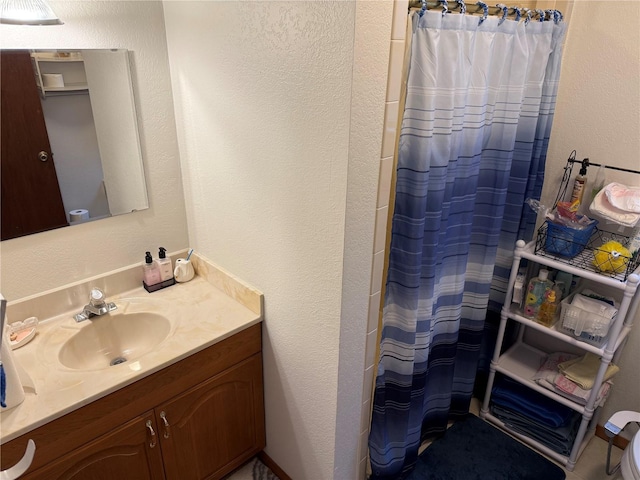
{"points": [[396, 57]]}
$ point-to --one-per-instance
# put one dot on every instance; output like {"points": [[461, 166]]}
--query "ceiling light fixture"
{"points": [[27, 12]]}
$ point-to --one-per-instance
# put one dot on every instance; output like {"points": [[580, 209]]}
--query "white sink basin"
{"points": [[114, 339]]}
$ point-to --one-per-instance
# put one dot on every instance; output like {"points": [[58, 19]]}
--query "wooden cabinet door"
{"points": [[124, 454], [31, 199], [216, 426]]}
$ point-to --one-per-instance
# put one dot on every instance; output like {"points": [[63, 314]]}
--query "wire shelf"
{"points": [[584, 259]]}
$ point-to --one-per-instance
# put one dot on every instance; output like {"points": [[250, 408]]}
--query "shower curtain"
{"points": [[480, 97]]}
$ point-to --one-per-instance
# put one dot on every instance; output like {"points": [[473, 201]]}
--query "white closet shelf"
{"points": [[69, 87], [514, 313], [563, 459], [521, 362], [585, 258]]}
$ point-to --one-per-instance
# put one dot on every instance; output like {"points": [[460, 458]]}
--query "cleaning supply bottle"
{"points": [[164, 265], [633, 245], [580, 183], [536, 292], [547, 313], [599, 182], [150, 272]]}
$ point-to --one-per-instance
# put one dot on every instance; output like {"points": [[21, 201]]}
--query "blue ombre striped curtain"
{"points": [[479, 106]]}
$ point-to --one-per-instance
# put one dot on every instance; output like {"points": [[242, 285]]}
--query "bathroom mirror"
{"points": [[70, 146]]}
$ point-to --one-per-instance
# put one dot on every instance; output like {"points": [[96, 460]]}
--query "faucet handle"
{"points": [[96, 298]]}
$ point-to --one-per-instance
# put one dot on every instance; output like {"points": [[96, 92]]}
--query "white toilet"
{"points": [[630, 463]]}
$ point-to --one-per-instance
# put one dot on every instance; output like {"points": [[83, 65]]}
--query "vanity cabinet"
{"points": [[213, 424], [124, 453], [201, 417]]}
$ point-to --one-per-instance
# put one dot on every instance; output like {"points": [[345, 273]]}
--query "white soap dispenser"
{"points": [[151, 273], [164, 265]]}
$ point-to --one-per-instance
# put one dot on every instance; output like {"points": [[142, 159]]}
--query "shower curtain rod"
{"points": [[473, 8]]}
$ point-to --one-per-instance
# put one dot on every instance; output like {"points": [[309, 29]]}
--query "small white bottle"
{"points": [[151, 273], [164, 265]]}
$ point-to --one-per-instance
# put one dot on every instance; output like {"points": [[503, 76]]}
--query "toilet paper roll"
{"points": [[53, 80], [79, 215]]}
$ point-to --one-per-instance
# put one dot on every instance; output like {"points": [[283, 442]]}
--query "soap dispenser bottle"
{"points": [[164, 265], [150, 272], [536, 293]]}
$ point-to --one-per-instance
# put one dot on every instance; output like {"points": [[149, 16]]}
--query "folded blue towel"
{"points": [[557, 439], [515, 397]]}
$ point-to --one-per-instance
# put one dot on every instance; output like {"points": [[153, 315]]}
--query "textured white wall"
{"points": [[371, 59], [264, 107], [47, 260], [597, 115]]}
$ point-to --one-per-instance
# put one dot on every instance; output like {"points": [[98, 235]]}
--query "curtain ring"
{"points": [[505, 11], [529, 15], [557, 16], [463, 6], [485, 13], [424, 8], [445, 7], [541, 15], [518, 11]]}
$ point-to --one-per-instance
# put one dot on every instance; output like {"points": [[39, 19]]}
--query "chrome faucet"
{"points": [[96, 307]]}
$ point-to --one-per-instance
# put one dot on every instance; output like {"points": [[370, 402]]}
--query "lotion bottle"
{"points": [[547, 313], [164, 265], [151, 274]]}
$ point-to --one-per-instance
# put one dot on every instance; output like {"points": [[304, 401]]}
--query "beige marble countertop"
{"points": [[211, 307]]}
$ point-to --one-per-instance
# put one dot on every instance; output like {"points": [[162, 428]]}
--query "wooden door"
{"points": [[30, 194], [124, 454], [214, 427]]}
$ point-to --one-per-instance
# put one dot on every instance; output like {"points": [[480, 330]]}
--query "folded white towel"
{"points": [[623, 197], [601, 206], [595, 306]]}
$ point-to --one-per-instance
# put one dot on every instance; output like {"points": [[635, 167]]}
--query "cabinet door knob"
{"points": [[43, 156], [163, 416], [153, 441]]}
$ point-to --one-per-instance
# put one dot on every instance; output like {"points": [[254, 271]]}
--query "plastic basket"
{"points": [[565, 241], [586, 326]]}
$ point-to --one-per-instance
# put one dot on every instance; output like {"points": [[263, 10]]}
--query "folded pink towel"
{"points": [[549, 377]]}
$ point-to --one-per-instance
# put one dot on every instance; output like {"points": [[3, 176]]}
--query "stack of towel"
{"points": [[532, 414], [572, 376], [618, 203]]}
